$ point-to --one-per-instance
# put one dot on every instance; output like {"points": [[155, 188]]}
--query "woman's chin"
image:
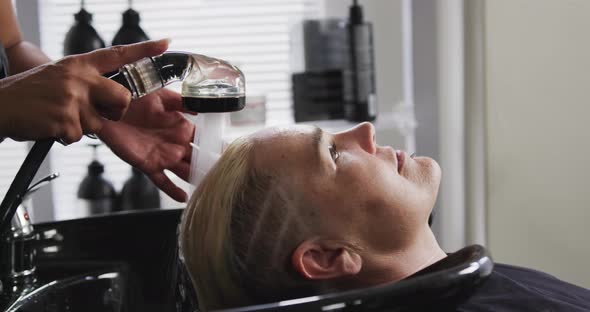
{"points": [[425, 174], [421, 166]]}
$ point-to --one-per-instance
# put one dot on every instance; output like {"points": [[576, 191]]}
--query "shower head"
{"points": [[209, 85]]}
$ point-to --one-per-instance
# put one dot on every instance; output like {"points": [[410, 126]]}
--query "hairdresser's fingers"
{"points": [[182, 170], [171, 100], [109, 98], [165, 184], [91, 121], [71, 130], [188, 154], [183, 136], [110, 59]]}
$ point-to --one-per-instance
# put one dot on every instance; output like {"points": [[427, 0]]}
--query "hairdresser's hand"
{"points": [[67, 98], [154, 136]]}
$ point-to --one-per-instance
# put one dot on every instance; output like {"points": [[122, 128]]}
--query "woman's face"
{"points": [[355, 190]]}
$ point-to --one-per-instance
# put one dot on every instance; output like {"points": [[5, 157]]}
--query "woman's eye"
{"points": [[334, 152]]}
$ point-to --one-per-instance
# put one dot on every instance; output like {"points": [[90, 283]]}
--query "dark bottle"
{"points": [[360, 102], [82, 37], [96, 194], [139, 193], [130, 31]]}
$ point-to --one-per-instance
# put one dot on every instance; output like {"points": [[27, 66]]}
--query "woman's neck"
{"points": [[422, 252]]}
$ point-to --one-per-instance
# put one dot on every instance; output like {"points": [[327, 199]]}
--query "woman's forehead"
{"points": [[283, 147], [284, 132]]}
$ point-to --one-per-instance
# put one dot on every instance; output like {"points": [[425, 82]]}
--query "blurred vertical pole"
{"points": [[475, 121], [42, 202], [451, 86], [408, 71]]}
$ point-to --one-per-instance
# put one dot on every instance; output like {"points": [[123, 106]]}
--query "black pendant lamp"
{"points": [[96, 193], [130, 31], [82, 37]]}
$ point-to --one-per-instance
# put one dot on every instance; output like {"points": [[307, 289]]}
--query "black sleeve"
{"points": [[512, 288]]}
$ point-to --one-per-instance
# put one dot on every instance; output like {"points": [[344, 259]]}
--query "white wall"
{"points": [[538, 113]]}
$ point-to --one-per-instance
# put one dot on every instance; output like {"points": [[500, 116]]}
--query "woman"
{"points": [[290, 212]]}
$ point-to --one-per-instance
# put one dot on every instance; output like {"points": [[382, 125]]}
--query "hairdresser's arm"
{"points": [[154, 136], [69, 97], [21, 55]]}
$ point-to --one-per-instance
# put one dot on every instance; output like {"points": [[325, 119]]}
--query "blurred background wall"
{"points": [[537, 94]]}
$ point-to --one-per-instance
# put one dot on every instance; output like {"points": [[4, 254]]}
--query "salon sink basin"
{"points": [[99, 291], [118, 262]]}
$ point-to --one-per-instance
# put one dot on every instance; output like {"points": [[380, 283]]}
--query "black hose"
{"points": [[22, 180]]}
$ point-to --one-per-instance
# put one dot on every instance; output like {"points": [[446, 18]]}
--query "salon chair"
{"points": [[440, 287]]}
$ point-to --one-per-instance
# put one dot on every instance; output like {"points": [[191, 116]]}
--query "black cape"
{"points": [[512, 288]]}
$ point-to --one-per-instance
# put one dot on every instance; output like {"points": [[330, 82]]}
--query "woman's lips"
{"points": [[401, 159]]}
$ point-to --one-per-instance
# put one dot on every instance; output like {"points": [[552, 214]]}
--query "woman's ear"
{"points": [[320, 260]]}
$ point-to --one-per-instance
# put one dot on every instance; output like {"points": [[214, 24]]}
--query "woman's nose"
{"points": [[364, 135]]}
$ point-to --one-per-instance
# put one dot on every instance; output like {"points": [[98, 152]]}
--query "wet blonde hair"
{"points": [[238, 232]]}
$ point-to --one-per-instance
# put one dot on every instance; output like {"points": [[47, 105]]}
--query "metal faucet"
{"points": [[20, 243]]}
